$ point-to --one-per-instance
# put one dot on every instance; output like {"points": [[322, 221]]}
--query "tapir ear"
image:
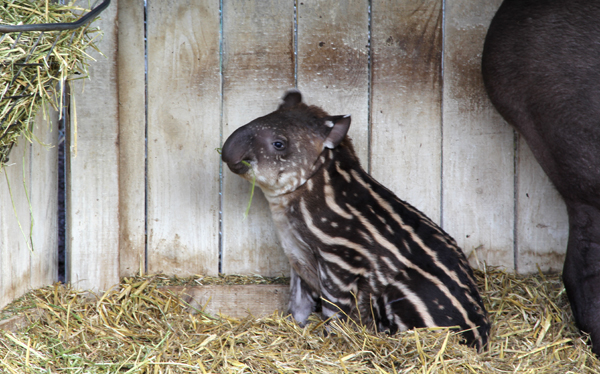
{"points": [[291, 99], [339, 129]]}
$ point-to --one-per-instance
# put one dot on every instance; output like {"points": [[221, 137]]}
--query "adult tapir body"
{"points": [[541, 69]]}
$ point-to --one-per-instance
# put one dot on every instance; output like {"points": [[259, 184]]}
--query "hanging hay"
{"points": [[34, 63], [139, 328]]}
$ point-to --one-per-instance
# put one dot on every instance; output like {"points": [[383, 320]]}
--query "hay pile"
{"points": [[136, 328], [34, 62]]}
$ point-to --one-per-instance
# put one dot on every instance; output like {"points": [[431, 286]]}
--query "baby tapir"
{"points": [[352, 244]]}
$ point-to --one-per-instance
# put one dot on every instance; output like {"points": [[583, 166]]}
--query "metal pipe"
{"points": [[57, 26]]}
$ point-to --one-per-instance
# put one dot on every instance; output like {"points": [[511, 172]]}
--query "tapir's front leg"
{"points": [[302, 299], [581, 272]]}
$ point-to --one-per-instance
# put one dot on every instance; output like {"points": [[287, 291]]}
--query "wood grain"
{"points": [[28, 254], [132, 133], [406, 95], [44, 200], [22, 321], [183, 133], [236, 301], [542, 221], [478, 147], [333, 66], [258, 66], [92, 168], [432, 138], [15, 244]]}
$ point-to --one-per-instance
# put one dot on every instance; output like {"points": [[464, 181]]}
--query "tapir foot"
{"points": [[581, 272], [302, 299], [584, 295]]}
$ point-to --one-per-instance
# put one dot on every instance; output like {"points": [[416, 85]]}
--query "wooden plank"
{"points": [[23, 269], [13, 324], [15, 255], [21, 321], [44, 201], [132, 144], [542, 221], [92, 169], [333, 66], [183, 133], [258, 65], [406, 100], [236, 301], [478, 146]]}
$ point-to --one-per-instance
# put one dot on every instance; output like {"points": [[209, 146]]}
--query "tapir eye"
{"points": [[279, 145]]}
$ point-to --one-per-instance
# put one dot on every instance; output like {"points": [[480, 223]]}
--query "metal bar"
{"points": [[17, 40], [53, 45], [57, 26], [16, 97], [34, 47]]}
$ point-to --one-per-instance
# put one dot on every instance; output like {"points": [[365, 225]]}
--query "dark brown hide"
{"points": [[541, 69]]}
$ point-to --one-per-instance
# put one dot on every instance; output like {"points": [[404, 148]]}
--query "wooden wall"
{"points": [[407, 71], [29, 218]]}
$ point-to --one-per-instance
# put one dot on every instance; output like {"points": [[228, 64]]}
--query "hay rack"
{"points": [[19, 89]]}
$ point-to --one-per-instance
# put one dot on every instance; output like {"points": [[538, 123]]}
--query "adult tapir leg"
{"points": [[581, 272], [541, 69]]}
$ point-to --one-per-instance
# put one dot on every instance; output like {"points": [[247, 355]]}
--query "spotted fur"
{"points": [[353, 246]]}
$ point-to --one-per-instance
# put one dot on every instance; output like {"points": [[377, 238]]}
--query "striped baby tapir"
{"points": [[355, 248]]}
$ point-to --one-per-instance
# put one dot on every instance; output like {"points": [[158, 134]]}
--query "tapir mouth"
{"points": [[239, 168]]}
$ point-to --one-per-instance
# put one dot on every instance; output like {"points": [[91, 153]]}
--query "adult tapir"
{"points": [[541, 69]]}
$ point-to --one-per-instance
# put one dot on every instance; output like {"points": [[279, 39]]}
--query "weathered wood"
{"points": [[183, 133], [13, 324], [333, 66], [258, 65], [132, 144], [406, 94], [542, 221], [15, 255], [21, 321], [28, 254], [478, 147], [44, 200], [92, 169], [236, 301], [409, 152]]}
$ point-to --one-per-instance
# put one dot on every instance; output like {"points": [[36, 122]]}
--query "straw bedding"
{"points": [[138, 328]]}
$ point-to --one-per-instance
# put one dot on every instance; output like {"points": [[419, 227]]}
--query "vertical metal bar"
{"points": [[221, 126], [441, 220], [369, 85], [146, 136]]}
